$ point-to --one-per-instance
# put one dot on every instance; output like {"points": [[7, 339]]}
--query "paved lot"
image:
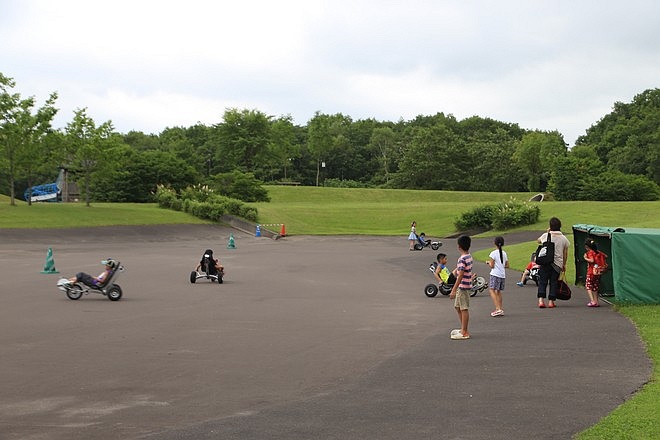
{"points": [[308, 338]]}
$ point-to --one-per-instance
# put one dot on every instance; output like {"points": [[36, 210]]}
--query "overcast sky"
{"points": [[147, 65]]}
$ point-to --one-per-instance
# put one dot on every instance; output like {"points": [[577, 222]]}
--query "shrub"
{"points": [[514, 213], [504, 215], [480, 217], [341, 183], [200, 193], [248, 213], [202, 202], [176, 204], [242, 186], [165, 196]]}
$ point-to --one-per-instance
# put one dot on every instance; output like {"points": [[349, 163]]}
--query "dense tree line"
{"points": [[617, 159]]}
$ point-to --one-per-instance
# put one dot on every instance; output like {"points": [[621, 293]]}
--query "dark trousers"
{"points": [[548, 275], [85, 278]]}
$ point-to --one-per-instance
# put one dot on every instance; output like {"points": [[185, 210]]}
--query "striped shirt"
{"points": [[465, 264]]}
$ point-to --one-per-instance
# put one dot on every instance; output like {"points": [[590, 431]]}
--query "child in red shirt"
{"points": [[595, 267]]}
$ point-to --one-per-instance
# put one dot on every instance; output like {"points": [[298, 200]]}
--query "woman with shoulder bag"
{"points": [[549, 273]]}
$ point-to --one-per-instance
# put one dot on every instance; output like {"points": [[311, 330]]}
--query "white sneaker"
{"points": [[460, 335]]}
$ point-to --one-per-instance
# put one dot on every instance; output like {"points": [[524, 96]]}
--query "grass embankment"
{"points": [[328, 211], [319, 211], [75, 215]]}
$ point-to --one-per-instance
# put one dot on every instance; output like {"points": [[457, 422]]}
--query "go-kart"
{"points": [[207, 270], [423, 242], [430, 290], [533, 275], [109, 288]]}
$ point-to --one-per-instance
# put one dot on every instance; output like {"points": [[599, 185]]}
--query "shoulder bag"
{"points": [[545, 253]]}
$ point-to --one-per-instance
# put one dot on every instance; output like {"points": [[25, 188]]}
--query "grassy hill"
{"points": [[317, 210]]}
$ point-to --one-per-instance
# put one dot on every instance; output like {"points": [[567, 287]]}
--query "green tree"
{"points": [[242, 139], [86, 145], [536, 154], [283, 148], [135, 175], [22, 132], [569, 174], [319, 140], [489, 146], [433, 160], [383, 141], [628, 138]]}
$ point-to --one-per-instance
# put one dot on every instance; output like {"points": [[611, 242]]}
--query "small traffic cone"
{"points": [[283, 231], [258, 232], [230, 242], [49, 267]]}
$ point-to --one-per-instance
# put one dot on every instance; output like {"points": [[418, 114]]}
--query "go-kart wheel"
{"points": [[114, 293], [418, 247], [193, 277], [445, 289], [435, 246], [220, 281], [75, 292], [431, 290], [479, 285]]}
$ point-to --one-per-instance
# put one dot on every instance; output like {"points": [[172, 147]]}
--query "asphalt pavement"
{"points": [[308, 338]]}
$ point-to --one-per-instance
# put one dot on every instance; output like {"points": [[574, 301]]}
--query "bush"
{"points": [[241, 186], [165, 196], [514, 213], [202, 202], [341, 183], [200, 193], [504, 215], [480, 217]]}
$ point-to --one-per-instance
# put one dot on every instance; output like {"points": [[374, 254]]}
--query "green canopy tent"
{"points": [[632, 258]]}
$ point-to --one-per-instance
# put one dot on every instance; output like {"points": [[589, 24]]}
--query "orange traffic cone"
{"points": [[283, 231]]}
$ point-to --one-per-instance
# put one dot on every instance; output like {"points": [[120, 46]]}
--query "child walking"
{"points": [[498, 262], [460, 293], [595, 265]]}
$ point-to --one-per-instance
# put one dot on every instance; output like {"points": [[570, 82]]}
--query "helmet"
{"points": [[110, 262]]}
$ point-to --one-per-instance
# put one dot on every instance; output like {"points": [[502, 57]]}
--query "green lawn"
{"points": [[318, 211], [73, 215]]}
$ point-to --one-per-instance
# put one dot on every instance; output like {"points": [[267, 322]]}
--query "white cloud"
{"points": [[145, 64]]}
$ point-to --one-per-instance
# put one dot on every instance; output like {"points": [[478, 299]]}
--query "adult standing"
{"points": [[549, 273], [412, 237]]}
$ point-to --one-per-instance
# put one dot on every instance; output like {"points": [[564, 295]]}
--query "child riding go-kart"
{"points": [[209, 267], [104, 284], [479, 284], [423, 242]]}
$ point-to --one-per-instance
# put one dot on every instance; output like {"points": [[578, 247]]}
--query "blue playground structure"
{"points": [[59, 191], [48, 192]]}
